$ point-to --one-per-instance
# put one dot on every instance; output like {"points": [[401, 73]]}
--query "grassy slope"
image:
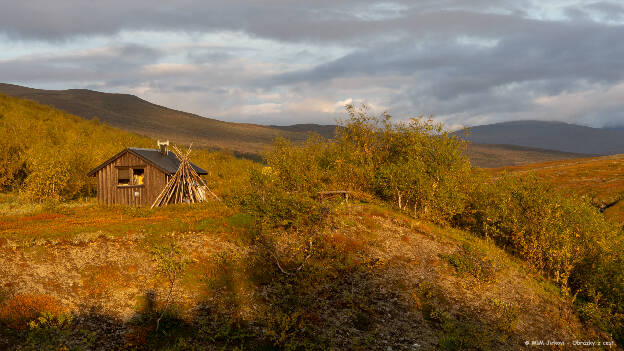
{"points": [[410, 281], [131, 113], [38, 131], [601, 179], [493, 155]]}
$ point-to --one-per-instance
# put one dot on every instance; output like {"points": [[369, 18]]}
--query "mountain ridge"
{"points": [[550, 135], [132, 113]]}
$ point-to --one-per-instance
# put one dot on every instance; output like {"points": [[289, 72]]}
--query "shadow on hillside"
{"points": [[334, 301]]}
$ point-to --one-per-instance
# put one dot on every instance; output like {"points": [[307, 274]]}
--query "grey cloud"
{"points": [[199, 55], [464, 61], [547, 51], [610, 10], [110, 63], [278, 19]]}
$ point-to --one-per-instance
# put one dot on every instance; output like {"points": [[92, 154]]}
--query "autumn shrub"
{"points": [[460, 334], [12, 163], [271, 206], [304, 168], [599, 284], [526, 215], [227, 173], [416, 165], [46, 153], [285, 230], [470, 260], [16, 312], [563, 237], [48, 175]]}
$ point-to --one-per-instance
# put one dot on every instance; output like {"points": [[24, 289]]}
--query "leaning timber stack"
{"points": [[185, 186]]}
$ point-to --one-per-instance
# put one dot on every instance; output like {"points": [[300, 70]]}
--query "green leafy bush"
{"points": [[305, 168], [530, 218], [599, 283], [417, 164], [272, 206], [564, 237]]}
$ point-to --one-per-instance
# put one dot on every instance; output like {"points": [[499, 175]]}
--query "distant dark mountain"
{"points": [[551, 136], [618, 128]]}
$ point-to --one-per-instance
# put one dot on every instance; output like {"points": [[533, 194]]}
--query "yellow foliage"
{"points": [[46, 153]]}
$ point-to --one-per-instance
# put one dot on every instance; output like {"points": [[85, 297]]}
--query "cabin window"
{"points": [[127, 176], [137, 176], [123, 176]]}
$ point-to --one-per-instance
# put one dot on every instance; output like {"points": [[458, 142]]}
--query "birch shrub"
{"points": [[417, 165], [531, 219], [564, 237]]}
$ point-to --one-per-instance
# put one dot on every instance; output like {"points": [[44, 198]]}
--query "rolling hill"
{"points": [[502, 155], [131, 113], [550, 135], [618, 128]]}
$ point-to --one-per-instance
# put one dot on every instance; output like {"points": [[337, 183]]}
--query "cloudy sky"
{"points": [[466, 62]]}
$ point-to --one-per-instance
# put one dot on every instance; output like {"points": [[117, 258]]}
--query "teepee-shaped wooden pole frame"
{"points": [[185, 185]]}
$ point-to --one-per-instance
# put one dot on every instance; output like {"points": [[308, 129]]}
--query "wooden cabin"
{"points": [[136, 176]]}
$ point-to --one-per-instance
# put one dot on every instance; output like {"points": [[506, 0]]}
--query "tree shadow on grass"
{"points": [[333, 300]]}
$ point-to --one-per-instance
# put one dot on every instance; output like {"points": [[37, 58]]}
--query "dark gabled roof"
{"points": [[167, 163]]}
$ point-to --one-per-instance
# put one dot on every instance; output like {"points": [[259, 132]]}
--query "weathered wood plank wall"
{"points": [[110, 193]]}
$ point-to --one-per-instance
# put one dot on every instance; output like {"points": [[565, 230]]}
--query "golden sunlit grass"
{"points": [[66, 223]]}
